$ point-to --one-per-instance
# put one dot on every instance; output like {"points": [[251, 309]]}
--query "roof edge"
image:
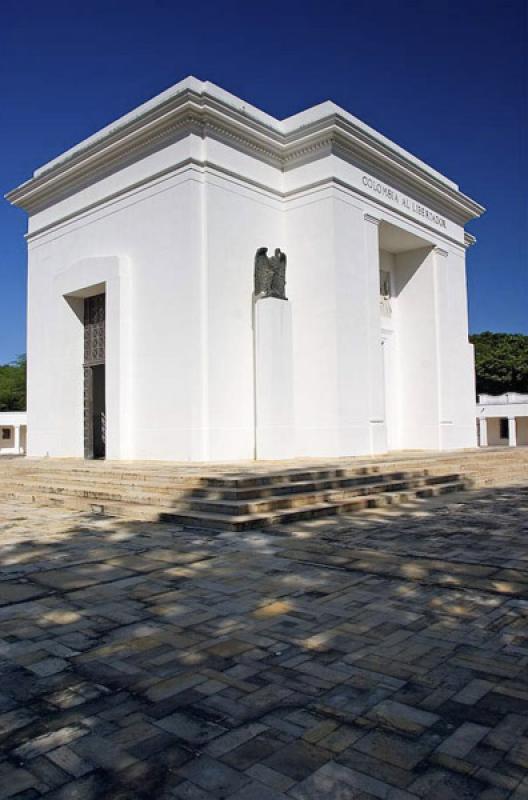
{"points": [[202, 105]]}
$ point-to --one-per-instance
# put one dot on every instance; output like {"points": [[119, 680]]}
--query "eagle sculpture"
{"points": [[270, 274]]}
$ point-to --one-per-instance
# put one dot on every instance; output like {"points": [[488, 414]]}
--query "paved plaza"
{"points": [[382, 655]]}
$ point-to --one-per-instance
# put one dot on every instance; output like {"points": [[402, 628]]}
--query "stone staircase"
{"points": [[258, 494], [224, 502], [240, 503]]}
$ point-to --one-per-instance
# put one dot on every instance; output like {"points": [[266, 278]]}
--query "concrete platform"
{"points": [[243, 495]]}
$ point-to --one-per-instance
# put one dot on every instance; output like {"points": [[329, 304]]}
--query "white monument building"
{"points": [[146, 339]]}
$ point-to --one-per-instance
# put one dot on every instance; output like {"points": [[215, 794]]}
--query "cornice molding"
{"points": [[205, 115], [357, 146], [469, 240], [201, 168]]}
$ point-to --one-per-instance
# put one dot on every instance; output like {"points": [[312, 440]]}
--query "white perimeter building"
{"points": [[144, 339], [503, 419], [13, 428]]}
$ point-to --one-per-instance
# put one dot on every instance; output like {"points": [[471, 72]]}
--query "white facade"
{"points": [[13, 430], [503, 419], [164, 211]]}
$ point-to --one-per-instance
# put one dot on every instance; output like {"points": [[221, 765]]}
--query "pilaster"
{"points": [[376, 391], [443, 334]]}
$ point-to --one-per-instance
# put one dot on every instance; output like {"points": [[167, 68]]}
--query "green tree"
{"points": [[13, 385], [501, 362]]}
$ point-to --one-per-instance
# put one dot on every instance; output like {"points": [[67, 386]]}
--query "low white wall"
{"points": [[507, 398], [506, 410]]}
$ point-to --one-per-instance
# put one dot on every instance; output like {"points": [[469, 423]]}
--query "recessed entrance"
{"points": [[407, 317], [94, 377]]}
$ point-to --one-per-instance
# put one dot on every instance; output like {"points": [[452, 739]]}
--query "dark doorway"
{"points": [[94, 377], [99, 432]]}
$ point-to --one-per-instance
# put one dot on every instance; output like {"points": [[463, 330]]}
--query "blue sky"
{"points": [[447, 81]]}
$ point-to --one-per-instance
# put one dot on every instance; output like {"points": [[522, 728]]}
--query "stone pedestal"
{"points": [[274, 432]]}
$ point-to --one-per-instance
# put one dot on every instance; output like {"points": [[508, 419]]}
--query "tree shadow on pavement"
{"points": [[355, 656]]}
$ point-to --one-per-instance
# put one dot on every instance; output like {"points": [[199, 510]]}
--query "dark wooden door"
{"points": [[94, 376]]}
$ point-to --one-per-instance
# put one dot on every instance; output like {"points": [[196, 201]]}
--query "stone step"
{"points": [[101, 477], [107, 489], [96, 506], [248, 479]]}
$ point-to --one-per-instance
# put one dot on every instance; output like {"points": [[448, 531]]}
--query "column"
{"points": [[17, 439], [483, 430], [512, 432], [378, 433]]}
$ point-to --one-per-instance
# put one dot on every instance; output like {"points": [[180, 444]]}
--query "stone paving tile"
{"points": [[463, 740], [402, 717], [397, 750], [214, 776], [69, 761], [257, 791], [335, 780], [297, 760], [14, 780], [379, 655]]}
